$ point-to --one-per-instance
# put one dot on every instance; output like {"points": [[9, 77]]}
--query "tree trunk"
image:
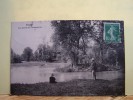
{"points": [[101, 53], [74, 59], [83, 46]]}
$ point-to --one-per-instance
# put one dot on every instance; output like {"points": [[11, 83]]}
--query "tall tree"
{"points": [[27, 54], [69, 35]]}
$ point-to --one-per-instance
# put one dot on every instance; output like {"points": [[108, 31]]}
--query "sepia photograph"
{"points": [[68, 58]]}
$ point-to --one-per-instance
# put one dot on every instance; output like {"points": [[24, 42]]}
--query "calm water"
{"points": [[37, 74]]}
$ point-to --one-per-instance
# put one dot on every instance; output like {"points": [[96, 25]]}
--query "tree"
{"points": [[45, 53], [27, 54], [36, 56], [66, 34], [73, 36], [15, 58]]}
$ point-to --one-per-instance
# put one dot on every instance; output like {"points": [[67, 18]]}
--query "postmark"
{"points": [[112, 32]]}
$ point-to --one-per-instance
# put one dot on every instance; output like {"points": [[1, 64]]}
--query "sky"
{"points": [[30, 34]]}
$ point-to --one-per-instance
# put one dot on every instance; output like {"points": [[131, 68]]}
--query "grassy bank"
{"points": [[28, 64], [72, 88]]}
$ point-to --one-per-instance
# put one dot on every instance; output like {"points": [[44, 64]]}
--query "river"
{"points": [[36, 74]]}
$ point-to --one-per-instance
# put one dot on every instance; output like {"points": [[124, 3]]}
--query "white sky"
{"points": [[30, 37]]}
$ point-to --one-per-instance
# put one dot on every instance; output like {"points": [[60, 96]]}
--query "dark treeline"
{"points": [[43, 53]]}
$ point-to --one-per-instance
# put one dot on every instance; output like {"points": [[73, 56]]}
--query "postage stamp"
{"points": [[112, 32]]}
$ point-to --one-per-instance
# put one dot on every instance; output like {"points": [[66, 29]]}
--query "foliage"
{"points": [[82, 40], [73, 37], [27, 54], [15, 58], [44, 53]]}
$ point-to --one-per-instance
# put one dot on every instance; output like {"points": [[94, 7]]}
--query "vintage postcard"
{"points": [[68, 58]]}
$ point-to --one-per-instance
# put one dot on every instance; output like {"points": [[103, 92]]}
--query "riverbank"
{"points": [[63, 67], [80, 87], [39, 64]]}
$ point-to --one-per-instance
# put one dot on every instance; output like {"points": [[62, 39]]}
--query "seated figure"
{"points": [[52, 79]]}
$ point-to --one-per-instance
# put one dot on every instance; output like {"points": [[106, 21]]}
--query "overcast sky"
{"points": [[30, 34]]}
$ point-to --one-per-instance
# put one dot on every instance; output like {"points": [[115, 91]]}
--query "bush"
{"points": [[65, 69], [16, 59]]}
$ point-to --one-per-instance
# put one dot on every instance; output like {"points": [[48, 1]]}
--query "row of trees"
{"points": [[43, 53]]}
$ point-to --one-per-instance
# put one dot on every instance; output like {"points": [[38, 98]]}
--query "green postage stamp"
{"points": [[112, 32]]}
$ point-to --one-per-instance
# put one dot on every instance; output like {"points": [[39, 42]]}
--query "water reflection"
{"points": [[37, 74]]}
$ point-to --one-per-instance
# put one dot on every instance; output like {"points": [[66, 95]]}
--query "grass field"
{"points": [[72, 88]]}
